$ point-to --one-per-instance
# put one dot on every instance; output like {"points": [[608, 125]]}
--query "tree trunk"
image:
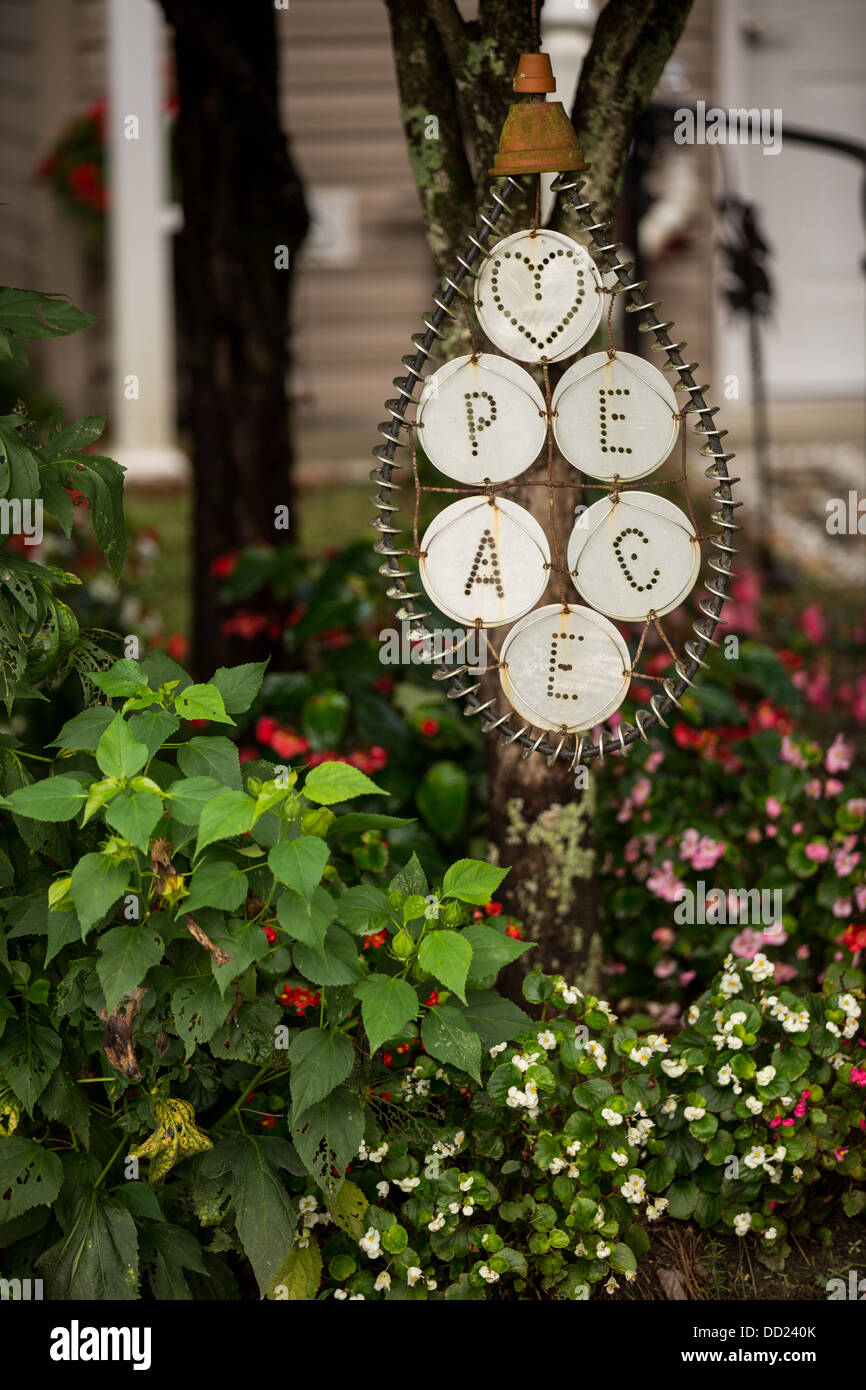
{"points": [[541, 824], [244, 220]]}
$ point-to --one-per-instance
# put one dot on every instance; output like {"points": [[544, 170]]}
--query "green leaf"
{"points": [[357, 821], [126, 677], [493, 1018], [443, 799], [298, 1277], [387, 1003], [621, 1258], [472, 881], [244, 942], [216, 883], [266, 1219], [682, 1196], [327, 1136], [320, 1061], [118, 753], [189, 796], [202, 702], [448, 1038], [659, 1173], [227, 815], [65, 1102], [85, 730], [492, 950], [152, 727], [336, 964], [30, 1176], [239, 685], [55, 799], [448, 956], [299, 863], [348, 1209], [213, 756], [29, 1053], [307, 924], [126, 955], [335, 781], [411, 879], [199, 1010], [97, 883], [357, 905], [166, 1251], [97, 1260], [134, 815], [32, 314]]}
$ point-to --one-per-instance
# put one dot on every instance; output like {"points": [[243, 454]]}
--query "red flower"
{"points": [[493, 909], [224, 565], [384, 685], [270, 934], [402, 1047], [388, 1059], [514, 931], [198, 723], [265, 729], [375, 941], [328, 755], [177, 646], [84, 179], [267, 1122], [285, 743], [855, 937], [429, 727], [246, 625]]}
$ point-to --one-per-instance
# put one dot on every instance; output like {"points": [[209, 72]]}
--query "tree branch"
{"points": [[452, 31]]}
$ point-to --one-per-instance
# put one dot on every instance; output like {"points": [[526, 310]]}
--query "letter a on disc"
{"points": [[484, 561]]}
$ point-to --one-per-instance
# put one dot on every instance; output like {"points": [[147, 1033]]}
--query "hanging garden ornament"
{"points": [[483, 419], [484, 562], [634, 554], [487, 420], [615, 415]]}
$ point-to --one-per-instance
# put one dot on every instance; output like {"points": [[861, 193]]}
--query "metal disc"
{"points": [[538, 295], [484, 560], [565, 668], [635, 557], [615, 416], [481, 421]]}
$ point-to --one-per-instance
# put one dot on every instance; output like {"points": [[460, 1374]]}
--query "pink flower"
{"points": [[747, 944], [791, 753], [641, 790], [803, 952], [858, 1076], [665, 884], [813, 789], [816, 851], [632, 850], [797, 828], [783, 972], [832, 786], [845, 863], [774, 934], [840, 1154], [708, 852], [664, 936], [787, 1123], [812, 623], [800, 1109], [839, 755], [689, 843], [774, 1124], [771, 831], [857, 805], [842, 907], [773, 807], [655, 759], [860, 897], [686, 977], [664, 968]]}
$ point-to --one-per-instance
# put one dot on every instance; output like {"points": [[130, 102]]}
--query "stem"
{"points": [[240, 1100], [124, 1140], [37, 757]]}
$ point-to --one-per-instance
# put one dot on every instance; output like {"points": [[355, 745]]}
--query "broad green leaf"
{"points": [[202, 702], [152, 727], [327, 1135], [411, 879], [126, 677], [357, 905], [335, 781], [29, 1053], [64, 1101], [308, 925], [239, 685], [97, 1260], [33, 314], [134, 815], [682, 1197], [63, 929], [299, 863], [97, 883], [118, 753], [386, 1005], [30, 1176], [447, 1037], [55, 799], [166, 1251], [443, 798], [495, 1019], [336, 964], [448, 956], [357, 821], [213, 756], [298, 1277], [266, 1219], [348, 1209], [189, 796], [85, 730], [227, 815], [126, 955], [244, 942], [472, 881], [199, 1009], [216, 883], [320, 1061], [492, 950]]}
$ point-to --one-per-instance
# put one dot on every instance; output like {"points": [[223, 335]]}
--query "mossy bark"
{"points": [[461, 72]]}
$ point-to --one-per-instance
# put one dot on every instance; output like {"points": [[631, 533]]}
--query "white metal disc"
{"points": [[615, 416], [636, 557], [565, 668], [538, 295], [482, 420], [484, 560]]}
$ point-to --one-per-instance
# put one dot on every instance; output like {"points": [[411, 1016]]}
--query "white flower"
{"points": [[611, 1285], [383, 1188], [657, 1041], [488, 1275], [760, 968], [756, 1156], [376, 1155], [580, 1249], [672, 1068], [611, 1116], [656, 1208], [607, 1011], [432, 1284], [770, 1233], [497, 1048], [406, 1184], [569, 994], [515, 1098], [556, 1165], [340, 1293], [849, 1005], [634, 1189], [466, 1184], [574, 1148], [454, 1208], [598, 1054], [602, 1251], [524, 1062], [695, 1112], [736, 1018], [467, 1209], [308, 1204], [670, 1104], [370, 1242], [436, 1224], [547, 1040], [641, 1055], [413, 1274], [620, 1158], [357, 1298], [833, 1028], [724, 1075], [303, 1241], [796, 1173], [309, 1219], [755, 1105], [765, 1075], [693, 1014], [742, 1223], [383, 1281], [730, 983]]}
